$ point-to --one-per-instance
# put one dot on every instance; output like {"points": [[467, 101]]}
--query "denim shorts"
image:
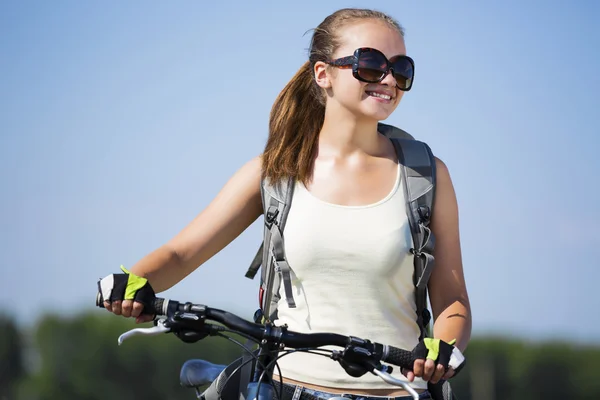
{"points": [[301, 393]]}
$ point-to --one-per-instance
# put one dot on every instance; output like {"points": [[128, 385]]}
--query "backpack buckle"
{"points": [[270, 217], [424, 213]]}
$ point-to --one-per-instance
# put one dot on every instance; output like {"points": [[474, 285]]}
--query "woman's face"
{"points": [[365, 100]]}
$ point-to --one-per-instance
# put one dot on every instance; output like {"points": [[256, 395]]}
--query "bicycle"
{"points": [[191, 322]]}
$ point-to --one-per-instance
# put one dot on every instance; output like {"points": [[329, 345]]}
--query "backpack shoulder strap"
{"points": [[277, 200], [418, 180], [393, 132]]}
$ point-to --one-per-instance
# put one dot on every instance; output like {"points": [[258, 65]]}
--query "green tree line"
{"points": [[78, 358]]}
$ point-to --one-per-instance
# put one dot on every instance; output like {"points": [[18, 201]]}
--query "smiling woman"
{"points": [[350, 245]]}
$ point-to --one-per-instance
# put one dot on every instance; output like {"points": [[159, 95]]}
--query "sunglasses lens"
{"points": [[403, 72], [371, 66]]}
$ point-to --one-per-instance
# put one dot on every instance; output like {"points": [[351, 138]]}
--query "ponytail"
{"points": [[294, 125], [299, 111]]}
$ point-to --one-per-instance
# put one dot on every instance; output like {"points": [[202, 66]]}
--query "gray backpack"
{"points": [[418, 178]]}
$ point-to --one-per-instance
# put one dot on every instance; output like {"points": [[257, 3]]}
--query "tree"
{"points": [[80, 359], [11, 357]]}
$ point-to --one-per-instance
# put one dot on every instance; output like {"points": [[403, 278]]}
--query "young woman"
{"points": [[347, 237]]}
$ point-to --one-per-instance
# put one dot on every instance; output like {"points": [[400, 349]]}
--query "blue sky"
{"points": [[120, 122]]}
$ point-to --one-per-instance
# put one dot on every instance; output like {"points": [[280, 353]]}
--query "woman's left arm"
{"points": [[447, 288]]}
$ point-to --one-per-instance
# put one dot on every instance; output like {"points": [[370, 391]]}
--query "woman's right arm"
{"points": [[235, 207]]}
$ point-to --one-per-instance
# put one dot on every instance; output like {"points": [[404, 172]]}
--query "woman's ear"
{"points": [[322, 76]]}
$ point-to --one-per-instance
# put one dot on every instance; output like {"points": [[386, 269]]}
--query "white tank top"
{"points": [[352, 274]]}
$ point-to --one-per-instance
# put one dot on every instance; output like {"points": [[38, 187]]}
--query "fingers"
{"points": [[128, 308], [116, 307], [439, 371], [419, 367], [409, 374], [428, 371], [449, 374], [137, 309]]}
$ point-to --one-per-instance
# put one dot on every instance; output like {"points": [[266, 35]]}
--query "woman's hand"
{"points": [[435, 360]]}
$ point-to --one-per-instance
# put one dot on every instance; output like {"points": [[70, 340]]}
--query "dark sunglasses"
{"points": [[371, 66]]}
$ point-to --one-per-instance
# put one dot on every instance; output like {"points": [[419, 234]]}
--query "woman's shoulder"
{"points": [[440, 166], [442, 173], [253, 167], [245, 182], [250, 171]]}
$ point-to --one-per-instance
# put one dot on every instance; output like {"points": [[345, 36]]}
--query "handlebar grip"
{"points": [[400, 357]]}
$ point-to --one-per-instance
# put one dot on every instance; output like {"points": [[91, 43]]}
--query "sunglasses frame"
{"points": [[352, 62]]}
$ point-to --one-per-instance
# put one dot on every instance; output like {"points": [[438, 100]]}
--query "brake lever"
{"points": [[397, 382], [160, 327]]}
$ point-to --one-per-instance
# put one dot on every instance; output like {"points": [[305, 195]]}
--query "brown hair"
{"points": [[299, 110]]}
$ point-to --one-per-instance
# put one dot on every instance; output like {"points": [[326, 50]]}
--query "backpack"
{"points": [[418, 181]]}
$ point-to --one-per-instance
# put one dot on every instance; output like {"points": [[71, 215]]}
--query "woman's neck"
{"points": [[343, 134]]}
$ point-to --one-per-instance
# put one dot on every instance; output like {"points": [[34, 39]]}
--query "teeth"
{"points": [[380, 95]]}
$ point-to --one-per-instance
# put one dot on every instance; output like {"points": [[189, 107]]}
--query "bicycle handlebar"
{"points": [[280, 335]]}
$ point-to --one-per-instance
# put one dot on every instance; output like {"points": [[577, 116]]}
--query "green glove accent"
{"points": [[134, 283], [433, 348]]}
